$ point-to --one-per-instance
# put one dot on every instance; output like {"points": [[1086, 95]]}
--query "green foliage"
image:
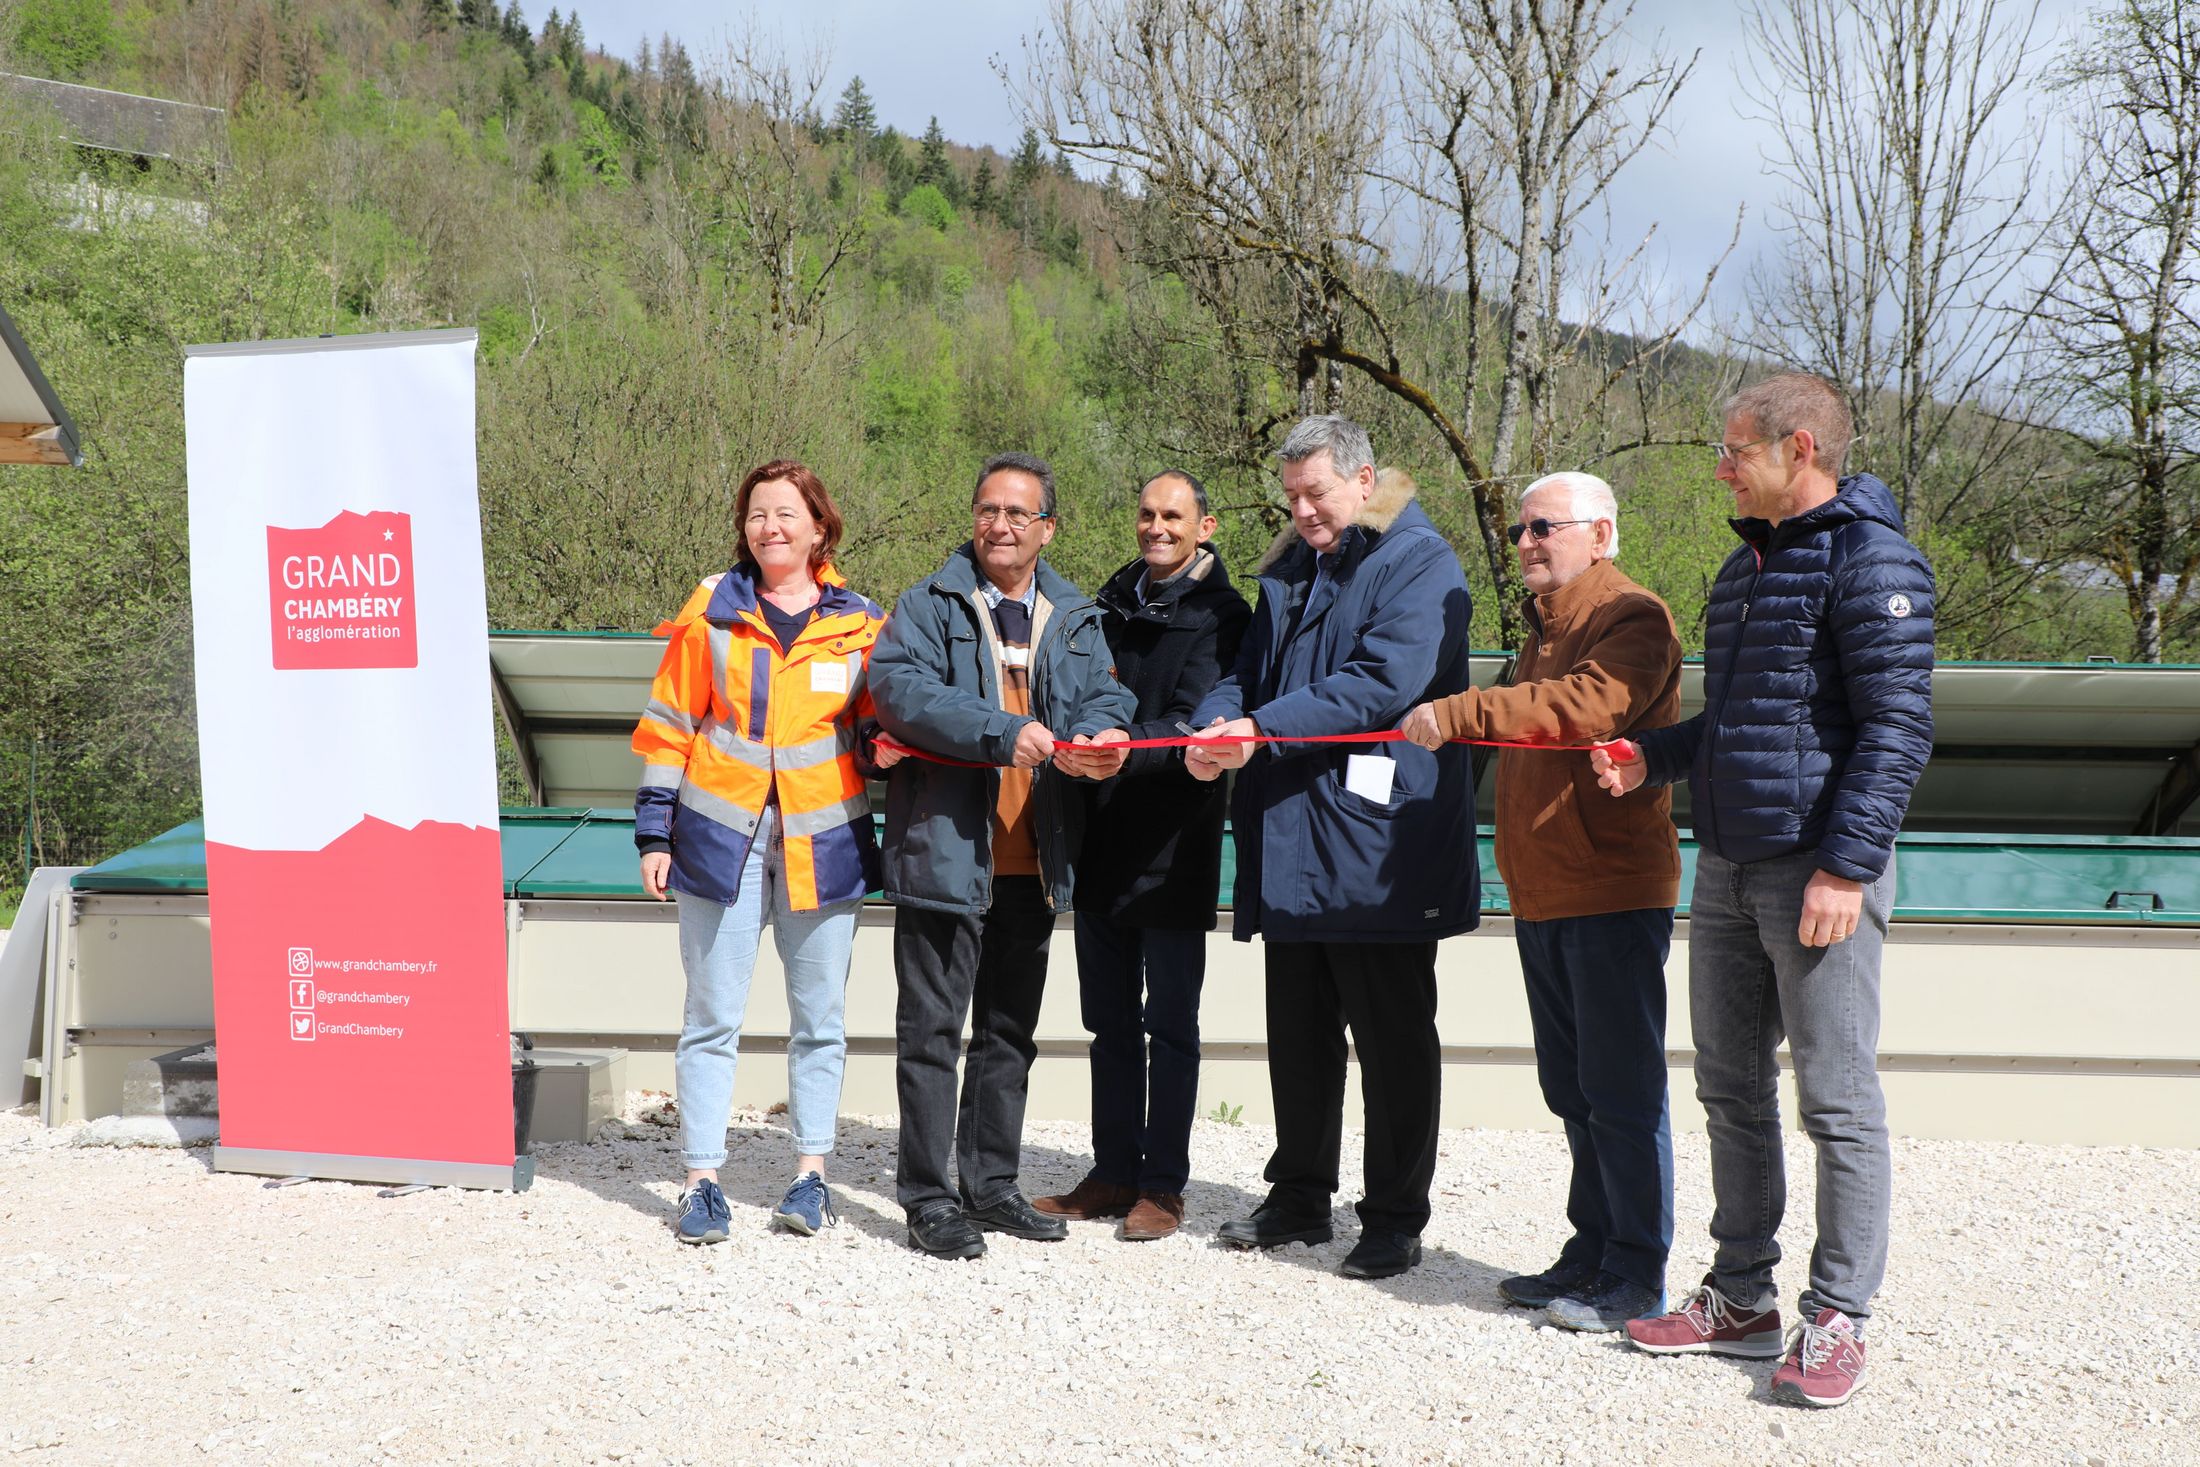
{"points": [[927, 205], [1227, 1114], [62, 38]]}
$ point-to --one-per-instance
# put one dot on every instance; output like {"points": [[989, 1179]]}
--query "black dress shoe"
{"points": [[1013, 1214], [940, 1229], [1381, 1253], [1272, 1227]]}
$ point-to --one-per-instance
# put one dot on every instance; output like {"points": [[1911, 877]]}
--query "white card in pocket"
{"points": [[1369, 776], [828, 677]]}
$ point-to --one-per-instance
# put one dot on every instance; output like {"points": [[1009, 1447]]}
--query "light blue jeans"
{"points": [[718, 948]]}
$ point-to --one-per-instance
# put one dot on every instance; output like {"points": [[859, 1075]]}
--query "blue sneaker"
{"points": [[807, 1206], [704, 1215], [1606, 1305]]}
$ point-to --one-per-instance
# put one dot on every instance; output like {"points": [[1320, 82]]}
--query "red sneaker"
{"points": [[1708, 1324], [1824, 1365]]}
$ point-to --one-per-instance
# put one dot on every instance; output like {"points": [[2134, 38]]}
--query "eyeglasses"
{"points": [[1018, 519], [1726, 453], [1541, 529]]}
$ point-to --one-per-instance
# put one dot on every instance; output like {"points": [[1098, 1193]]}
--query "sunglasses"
{"points": [[1541, 529]]}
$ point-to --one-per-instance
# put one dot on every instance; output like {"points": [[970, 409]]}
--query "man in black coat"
{"points": [[1149, 871]]}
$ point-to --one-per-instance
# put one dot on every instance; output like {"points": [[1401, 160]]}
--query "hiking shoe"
{"points": [[1709, 1324], [1605, 1305], [1537, 1290], [1825, 1362], [807, 1206], [704, 1215]]}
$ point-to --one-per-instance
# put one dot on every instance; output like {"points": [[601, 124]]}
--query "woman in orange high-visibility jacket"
{"points": [[752, 809]]}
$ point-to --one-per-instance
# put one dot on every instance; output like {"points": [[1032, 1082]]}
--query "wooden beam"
{"points": [[32, 443]]}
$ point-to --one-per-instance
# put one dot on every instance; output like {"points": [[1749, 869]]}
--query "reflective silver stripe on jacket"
{"points": [[816, 822], [725, 812]]}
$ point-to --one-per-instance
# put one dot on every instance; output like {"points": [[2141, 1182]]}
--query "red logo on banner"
{"points": [[342, 595]]}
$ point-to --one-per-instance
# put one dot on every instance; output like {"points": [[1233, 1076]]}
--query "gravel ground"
{"points": [[2038, 1310]]}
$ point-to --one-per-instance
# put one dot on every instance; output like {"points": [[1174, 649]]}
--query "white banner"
{"points": [[347, 757]]}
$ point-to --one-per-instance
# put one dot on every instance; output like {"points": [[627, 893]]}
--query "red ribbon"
{"points": [[1623, 751]]}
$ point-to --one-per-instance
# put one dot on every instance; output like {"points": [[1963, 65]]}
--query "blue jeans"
{"points": [[1596, 994], [718, 949], [1750, 983], [1139, 989]]}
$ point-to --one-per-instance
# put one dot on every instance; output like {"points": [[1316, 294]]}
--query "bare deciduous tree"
{"points": [[1911, 245], [2119, 323], [1248, 125], [754, 192], [1264, 129]]}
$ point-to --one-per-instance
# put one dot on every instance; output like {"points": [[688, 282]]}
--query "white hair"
{"points": [[1590, 496]]}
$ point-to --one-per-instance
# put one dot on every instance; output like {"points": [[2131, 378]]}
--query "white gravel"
{"points": [[2039, 1310]]}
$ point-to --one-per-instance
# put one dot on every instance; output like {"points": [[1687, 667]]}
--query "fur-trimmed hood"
{"points": [[1394, 490]]}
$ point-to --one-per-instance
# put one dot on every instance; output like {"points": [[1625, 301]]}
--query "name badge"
{"points": [[829, 677], [1369, 776]]}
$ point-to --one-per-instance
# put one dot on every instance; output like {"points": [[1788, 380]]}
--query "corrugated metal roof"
{"points": [[122, 122]]}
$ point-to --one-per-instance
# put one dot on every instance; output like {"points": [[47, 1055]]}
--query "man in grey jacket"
{"points": [[987, 662]]}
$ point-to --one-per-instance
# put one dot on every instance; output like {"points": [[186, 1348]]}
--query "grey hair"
{"points": [[1342, 439], [1590, 496], [1798, 401], [1029, 463]]}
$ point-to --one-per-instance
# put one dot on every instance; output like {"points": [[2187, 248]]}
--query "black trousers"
{"points": [[1385, 993], [1139, 988], [992, 968]]}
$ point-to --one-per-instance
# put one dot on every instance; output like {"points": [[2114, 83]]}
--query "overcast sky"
{"points": [[924, 60]]}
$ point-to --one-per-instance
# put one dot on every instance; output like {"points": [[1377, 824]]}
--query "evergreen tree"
{"points": [[893, 157], [1062, 165], [932, 155], [981, 186], [436, 13], [855, 120], [572, 47], [478, 15], [516, 34], [1029, 163]]}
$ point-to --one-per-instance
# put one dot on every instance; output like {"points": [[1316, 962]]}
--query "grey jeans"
{"points": [[1751, 982]]}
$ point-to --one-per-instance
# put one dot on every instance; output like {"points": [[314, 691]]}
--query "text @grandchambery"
{"points": [[310, 1001]]}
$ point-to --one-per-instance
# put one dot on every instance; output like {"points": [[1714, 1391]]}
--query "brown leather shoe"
{"points": [[1088, 1200], [1157, 1215]]}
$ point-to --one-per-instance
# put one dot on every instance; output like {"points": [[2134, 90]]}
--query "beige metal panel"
{"points": [[90, 1077], [141, 961], [2070, 1110], [596, 968], [1976, 989]]}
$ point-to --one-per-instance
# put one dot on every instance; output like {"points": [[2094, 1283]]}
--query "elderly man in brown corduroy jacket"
{"points": [[1592, 882]]}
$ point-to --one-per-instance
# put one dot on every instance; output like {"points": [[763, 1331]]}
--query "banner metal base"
{"points": [[390, 1170]]}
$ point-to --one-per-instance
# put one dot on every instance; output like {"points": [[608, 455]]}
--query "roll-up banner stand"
{"points": [[348, 764]]}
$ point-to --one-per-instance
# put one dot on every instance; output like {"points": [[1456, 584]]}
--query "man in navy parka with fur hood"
{"points": [[1817, 722], [1352, 861]]}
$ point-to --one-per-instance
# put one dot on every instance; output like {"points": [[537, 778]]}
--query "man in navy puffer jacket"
{"points": [[1818, 657]]}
